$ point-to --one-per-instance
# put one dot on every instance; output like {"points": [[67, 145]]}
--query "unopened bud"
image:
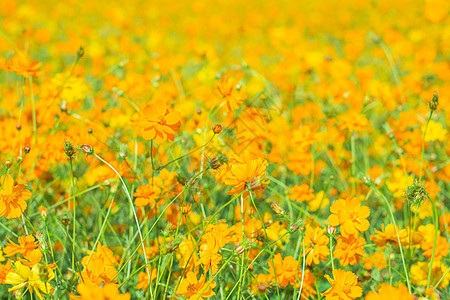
{"points": [[218, 161], [331, 230], [433, 104], [217, 128], [18, 127], [27, 149], [80, 52], [8, 164]]}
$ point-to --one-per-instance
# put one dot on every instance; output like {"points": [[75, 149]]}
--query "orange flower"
{"points": [[284, 271], [196, 289], [107, 291], [99, 266], [143, 279], [301, 193], [353, 121], [26, 244], [387, 291], [158, 123], [389, 235], [427, 244], [23, 65], [350, 215], [349, 249], [377, 260], [227, 89], [12, 197], [209, 256], [4, 270], [316, 245], [250, 173], [344, 286]]}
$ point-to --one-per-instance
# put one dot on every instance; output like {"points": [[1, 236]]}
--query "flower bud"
{"points": [[8, 164], [69, 150], [18, 127], [331, 230], [218, 161], [217, 128], [80, 52], [27, 149], [433, 104]]}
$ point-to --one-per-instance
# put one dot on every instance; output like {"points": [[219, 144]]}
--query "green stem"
{"points": [[134, 213]]}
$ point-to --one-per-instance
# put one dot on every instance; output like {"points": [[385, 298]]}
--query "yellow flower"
{"points": [[22, 276], [435, 132], [196, 289], [390, 292], [250, 172], [344, 286], [389, 235], [316, 245], [108, 291], [12, 197], [350, 215], [319, 202]]}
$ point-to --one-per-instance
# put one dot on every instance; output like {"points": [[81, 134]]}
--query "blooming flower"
{"points": [[344, 286], [12, 197], [349, 249], [350, 215], [301, 193], [26, 244], [192, 288], [22, 276], [390, 292], [316, 245], [389, 235], [247, 173], [23, 65], [227, 89], [158, 123], [107, 291], [377, 260], [283, 271]]}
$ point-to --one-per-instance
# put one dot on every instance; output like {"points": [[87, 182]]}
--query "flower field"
{"points": [[224, 149]]}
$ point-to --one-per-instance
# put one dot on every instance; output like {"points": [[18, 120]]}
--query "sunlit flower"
{"points": [[316, 245], [350, 215], [157, 122], [12, 197], [301, 193], [106, 292], [284, 271], [193, 288], [22, 276], [344, 286], [389, 235], [247, 174], [349, 250], [390, 292]]}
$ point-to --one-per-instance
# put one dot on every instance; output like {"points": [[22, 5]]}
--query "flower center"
{"points": [[161, 120], [191, 288]]}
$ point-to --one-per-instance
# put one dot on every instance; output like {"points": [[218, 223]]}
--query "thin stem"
{"points": [[135, 217], [423, 146]]}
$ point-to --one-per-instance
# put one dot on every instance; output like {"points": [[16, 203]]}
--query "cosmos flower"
{"points": [[192, 288], [344, 286], [12, 198], [350, 215], [22, 276], [247, 173], [158, 123]]}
